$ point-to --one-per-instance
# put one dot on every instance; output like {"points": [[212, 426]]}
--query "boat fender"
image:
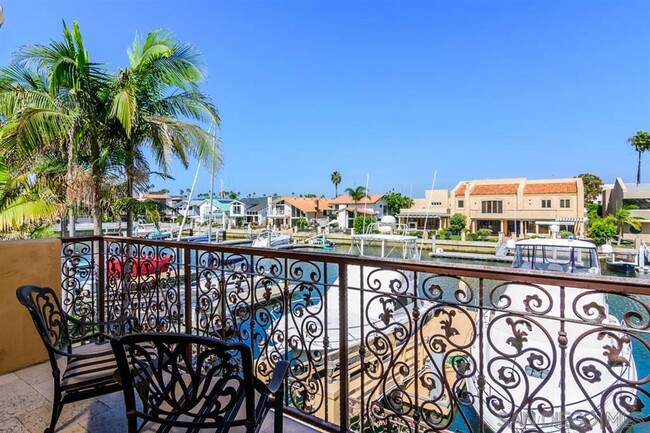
{"points": [[439, 250]]}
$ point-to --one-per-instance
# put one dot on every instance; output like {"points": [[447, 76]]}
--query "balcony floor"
{"points": [[26, 407]]}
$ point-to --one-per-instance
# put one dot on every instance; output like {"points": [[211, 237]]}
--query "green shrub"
{"points": [[444, 234], [602, 230], [565, 234], [483, 234], [457, 223], [362, 222], [472, 236], [301, 223]]}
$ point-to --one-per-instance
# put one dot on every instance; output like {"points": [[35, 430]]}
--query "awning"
{"points": [[422, 214], [560, 222]]}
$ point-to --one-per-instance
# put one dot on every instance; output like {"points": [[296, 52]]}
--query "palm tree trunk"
{"points": [[72, 232], [96, 188], [129, 187], [638, 170]]}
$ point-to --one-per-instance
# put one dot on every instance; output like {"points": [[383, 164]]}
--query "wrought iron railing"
{"points": [[386, 345]]}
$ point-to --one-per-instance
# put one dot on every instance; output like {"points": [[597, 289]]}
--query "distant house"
{"points": [[624, 194], [164, 199], [346, 208], [224, 211], [156, 196], [255, 210], [285, 211], [520, 206], [194, 210], [430, 212]]}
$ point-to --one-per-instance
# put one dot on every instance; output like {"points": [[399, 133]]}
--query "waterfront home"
{"points": [[224, 211], [345, 208], [520, 206], [256, 210], [430, 212], [285, 211], [625, 194]]}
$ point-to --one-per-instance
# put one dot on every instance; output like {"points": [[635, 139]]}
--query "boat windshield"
{"points": [[557, 258]]}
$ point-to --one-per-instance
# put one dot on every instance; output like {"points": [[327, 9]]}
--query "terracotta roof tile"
{"points": [[308, 204], [346, 199], [495, 189], [461, 191], [551, 188]]}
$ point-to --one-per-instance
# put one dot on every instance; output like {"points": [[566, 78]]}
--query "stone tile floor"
{"points": [[26, 406]]}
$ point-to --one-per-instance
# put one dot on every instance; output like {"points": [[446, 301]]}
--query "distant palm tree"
{"points": [[336, 180], [641, 142], [623, 217], [356, 194]]}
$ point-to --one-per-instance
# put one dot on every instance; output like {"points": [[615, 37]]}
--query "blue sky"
{"points": [[392, 90]]}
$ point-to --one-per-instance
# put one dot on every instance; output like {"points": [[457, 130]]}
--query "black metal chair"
{"points": [[79, 371], [187, 383]]}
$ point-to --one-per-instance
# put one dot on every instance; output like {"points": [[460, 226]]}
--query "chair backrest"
{"points": [[186, 381], [48, 316]]}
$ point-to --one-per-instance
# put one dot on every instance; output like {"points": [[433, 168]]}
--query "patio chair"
{"points": [[79, 371], [190, 383]]}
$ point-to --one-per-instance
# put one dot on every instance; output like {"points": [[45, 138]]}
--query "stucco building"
{"points": [[625, 194]]}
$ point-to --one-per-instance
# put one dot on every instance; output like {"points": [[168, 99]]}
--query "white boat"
{"points": [[270, 239], [373, 307], [522, 356]]}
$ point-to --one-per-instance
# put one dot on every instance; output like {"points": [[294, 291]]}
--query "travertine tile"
{"points": [[17, 398], [36, 373], [12, 425], [7, 378], [111, 421], [77, 413]]}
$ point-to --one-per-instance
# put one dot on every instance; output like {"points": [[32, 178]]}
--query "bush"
{"points": [[472, 236], [483, 234], [457, 223], [362, 222], [602, 230], [565, 234], [444, 234], [301, 223]]}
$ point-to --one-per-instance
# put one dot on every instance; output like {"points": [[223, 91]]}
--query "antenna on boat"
{"points": [[404, 229], [365, 203], [426, 216]]}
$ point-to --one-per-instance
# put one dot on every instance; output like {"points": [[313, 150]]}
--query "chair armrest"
{"points": [[122, 322], [277, 380]]}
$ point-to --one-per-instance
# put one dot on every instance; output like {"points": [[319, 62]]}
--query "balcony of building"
{"points": [[374, 344]]}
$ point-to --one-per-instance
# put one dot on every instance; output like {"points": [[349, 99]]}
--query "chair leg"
{"points": [[278, 416], [56, 412]]}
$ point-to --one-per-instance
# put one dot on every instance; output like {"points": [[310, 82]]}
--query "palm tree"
{"points": [[53, 99], [624, 217], [152, 95], [26, 202], [641, 142], [356, 194], [336, 180]]}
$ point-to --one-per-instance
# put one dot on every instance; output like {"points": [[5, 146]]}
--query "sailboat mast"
{"points": [[211, 194]]}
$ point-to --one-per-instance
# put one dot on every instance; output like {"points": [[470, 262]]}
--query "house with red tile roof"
{"points": [[520, 206], [285, 211], [345, 208]]}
